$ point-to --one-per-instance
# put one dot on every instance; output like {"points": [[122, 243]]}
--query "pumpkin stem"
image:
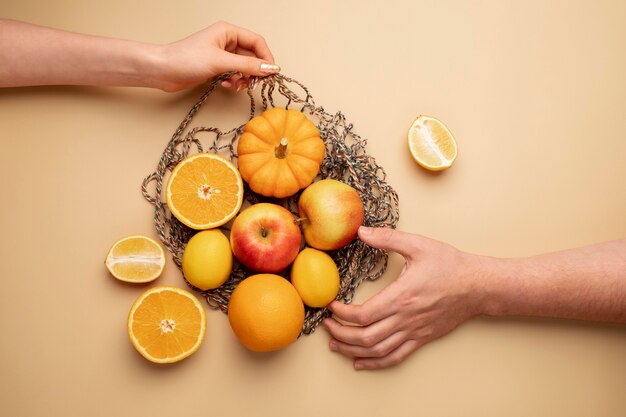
{"points": [[281, 150]]}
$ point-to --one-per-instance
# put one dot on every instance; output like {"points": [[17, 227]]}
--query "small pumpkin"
{"points": [[280, 152]]}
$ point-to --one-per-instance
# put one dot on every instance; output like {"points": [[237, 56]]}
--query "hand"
{"points": [[37, 55], [436, 291], [219, 48]]}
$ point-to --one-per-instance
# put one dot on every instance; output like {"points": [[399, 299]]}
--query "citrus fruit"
{"points": [[432, 144], [135, 259], [204, 191], [315, 276], [265, 312], [166, 324], [207, 259]]}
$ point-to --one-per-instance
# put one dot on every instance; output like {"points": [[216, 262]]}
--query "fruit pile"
{"points": [[280, 153]]}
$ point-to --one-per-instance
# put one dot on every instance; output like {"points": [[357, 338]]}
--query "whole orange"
{"points": [[265, 312]]}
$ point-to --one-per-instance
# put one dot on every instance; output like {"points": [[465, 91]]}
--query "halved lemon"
{"points": [[166, 324], [204, 191], [135, 259], [431, 143]]}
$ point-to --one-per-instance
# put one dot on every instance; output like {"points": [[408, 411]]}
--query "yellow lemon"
{"points": [[315, 276], [431, 143], [136, 259], [207, 259]]}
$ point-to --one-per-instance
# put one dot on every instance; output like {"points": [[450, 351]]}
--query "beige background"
{"points": [[535, 93]]}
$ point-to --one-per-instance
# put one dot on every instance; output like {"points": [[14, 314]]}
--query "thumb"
{"points": [[389, 239], [248, 65]]}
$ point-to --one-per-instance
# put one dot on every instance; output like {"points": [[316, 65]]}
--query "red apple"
{"points": [[331, 214], [265, 237]]}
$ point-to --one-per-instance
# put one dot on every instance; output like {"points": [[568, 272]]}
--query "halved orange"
{"points": [[204, 191], [166, 324], [135, 259], [431, 143]]}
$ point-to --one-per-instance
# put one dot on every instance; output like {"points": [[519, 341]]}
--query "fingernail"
{"points": [[365, 231], [333, 345], [269, 68], [358, 365], [240, 87], [325, 323], [227, 84]]}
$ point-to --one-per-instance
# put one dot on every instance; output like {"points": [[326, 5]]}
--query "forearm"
{"points": [[587, 283], [36, 55]]}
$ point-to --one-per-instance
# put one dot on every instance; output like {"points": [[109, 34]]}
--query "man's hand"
{"points": [[438, 289]]}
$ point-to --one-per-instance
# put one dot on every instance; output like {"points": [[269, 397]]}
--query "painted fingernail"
{"points": [[227, 84], [269, 68]]}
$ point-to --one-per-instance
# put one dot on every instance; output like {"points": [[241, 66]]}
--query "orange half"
{"points": [[204, 191], [166, 324]]}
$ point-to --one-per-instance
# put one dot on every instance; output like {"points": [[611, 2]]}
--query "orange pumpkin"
{"points": [[280, 152]]}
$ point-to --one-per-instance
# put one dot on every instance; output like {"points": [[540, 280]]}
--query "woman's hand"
{"points": [[37, 55], [219, 48]]}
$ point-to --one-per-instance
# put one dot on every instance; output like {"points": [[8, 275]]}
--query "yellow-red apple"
{"points": [[331, 213], [265, 237]]}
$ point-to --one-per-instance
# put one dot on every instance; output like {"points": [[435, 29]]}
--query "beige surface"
{"points": [[535, 93]]}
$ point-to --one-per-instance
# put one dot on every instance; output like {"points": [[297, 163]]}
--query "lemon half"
{"points": [[431, 143], [136, 259]]}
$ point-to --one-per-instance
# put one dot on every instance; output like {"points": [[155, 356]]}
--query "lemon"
{"points": [[207, 259], [431, 143], [135, 259], [315, 276]]}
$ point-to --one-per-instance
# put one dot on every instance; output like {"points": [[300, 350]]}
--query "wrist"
{"points": [[150, 66], [114, 62], [488, 285]]}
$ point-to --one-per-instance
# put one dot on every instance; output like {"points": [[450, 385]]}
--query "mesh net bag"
{"points": [[346, 160]]}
